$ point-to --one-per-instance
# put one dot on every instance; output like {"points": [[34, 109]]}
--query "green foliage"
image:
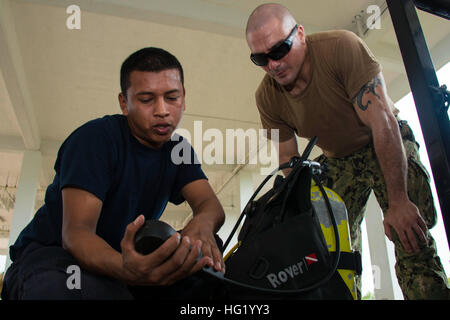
{"points": [[369, 296]]}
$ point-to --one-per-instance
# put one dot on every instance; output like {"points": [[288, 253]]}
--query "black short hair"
{"points": [[148, 59]]}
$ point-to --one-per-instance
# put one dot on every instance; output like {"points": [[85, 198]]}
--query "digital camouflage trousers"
{"points": [[420, 275]]}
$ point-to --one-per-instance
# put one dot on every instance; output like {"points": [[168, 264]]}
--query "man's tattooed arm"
{"points": [[368, 87]]}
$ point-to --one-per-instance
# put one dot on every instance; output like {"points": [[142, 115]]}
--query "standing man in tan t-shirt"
{"points": [[330, 85]]}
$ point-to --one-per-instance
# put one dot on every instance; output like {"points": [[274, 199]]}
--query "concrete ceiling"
{"points": [[53, 79]]}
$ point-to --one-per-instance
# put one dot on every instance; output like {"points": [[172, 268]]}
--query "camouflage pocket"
{"points": [[407, 133], [419, 191]]}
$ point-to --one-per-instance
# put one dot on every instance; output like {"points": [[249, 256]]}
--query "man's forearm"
{"points": [[391, 157], [93, 253], [211, 212]]}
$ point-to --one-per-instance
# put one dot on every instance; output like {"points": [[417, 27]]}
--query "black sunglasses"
{"points": [[276, 53]]}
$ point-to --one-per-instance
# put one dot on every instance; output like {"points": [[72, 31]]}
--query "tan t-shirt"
{"points": [[341, 64]]}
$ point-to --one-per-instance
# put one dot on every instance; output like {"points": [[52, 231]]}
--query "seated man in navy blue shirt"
{"points": [[112, 174]]}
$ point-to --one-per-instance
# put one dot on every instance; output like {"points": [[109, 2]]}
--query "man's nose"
{"points": [[161, 109], [273, 64]]}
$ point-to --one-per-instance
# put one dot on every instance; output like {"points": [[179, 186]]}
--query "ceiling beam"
{"points": [[12, 69], [15, 144], [440, 53], [48, 149], [399, 87], [391, 64], [12, 144]]}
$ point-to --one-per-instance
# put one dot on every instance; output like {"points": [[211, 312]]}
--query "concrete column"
{"points": [[244, 184], [25, 195], [381, 254]]}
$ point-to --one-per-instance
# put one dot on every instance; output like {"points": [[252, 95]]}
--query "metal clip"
{"points": [[442, 97]]}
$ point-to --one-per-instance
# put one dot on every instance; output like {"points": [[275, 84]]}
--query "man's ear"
{"points": [[184, 99], [301, 32], [123, 104]]}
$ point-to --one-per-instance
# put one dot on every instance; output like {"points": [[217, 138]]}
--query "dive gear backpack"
{"points": [[294, 242]]}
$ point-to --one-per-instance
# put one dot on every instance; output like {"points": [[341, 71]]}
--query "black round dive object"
{"points": [[151, 235]]}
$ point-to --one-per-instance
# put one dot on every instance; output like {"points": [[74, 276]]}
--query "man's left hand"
{"points": [[197, 229], [406, 220]]}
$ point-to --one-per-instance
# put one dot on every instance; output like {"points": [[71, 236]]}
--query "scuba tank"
{"points": [[350, 265]]}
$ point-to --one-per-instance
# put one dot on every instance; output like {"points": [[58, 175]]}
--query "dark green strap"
{"points": [[350, 261]]}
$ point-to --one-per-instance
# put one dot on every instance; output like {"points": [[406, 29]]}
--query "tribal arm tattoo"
{"points": [[368, 87]]}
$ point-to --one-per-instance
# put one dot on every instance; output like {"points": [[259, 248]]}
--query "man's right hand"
{"points": [[175, 259]]}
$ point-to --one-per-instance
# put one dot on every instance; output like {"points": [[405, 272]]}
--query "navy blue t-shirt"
{"points": [[105, 159]]}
